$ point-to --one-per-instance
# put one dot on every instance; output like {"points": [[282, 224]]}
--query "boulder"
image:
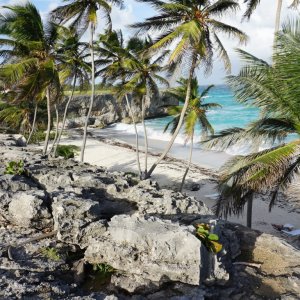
{"points": [[157, 250], [71, 215], [29, 209], [166, 203]]}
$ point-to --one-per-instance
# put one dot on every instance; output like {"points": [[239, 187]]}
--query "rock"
{"points": [[107, 109], [71, 215], [157, 250], [166, 203], [30, 210], [195, 187]]}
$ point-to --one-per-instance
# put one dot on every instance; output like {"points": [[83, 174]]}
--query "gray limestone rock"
{"points": [[30, 209], [71, 215], [157, 250]]}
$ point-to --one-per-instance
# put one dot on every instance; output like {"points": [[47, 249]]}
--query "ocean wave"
{"points": [[242, 148]]}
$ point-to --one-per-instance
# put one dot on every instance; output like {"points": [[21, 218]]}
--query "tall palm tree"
{"points": [[252, 4], [27, 48], [138, 75], [195, 114], [192, 26], [112, 51], [270, 170], [83, 14], [145, 75], [71, 55]]}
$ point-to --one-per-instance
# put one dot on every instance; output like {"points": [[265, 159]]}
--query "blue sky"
{"points": [[260, 29]]}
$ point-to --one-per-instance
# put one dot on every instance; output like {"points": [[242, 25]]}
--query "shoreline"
{"points": [[116, 155]]}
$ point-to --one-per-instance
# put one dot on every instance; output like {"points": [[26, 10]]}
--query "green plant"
{"points": [[39, 136], [50, 253], [104, 269], [210, 240], [67, 151], [15, 168]]}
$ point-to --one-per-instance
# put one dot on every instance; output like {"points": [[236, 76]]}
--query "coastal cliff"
{"points": [[107, 109]]}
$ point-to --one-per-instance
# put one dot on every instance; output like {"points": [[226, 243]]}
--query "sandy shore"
{"points": [[120, 156]]}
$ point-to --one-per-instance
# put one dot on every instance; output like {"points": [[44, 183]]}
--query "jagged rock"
{"points": [[195, 187], [16, 140], [71, 215], [29, 210], [136, 227], [157, 250], [165, 203]]}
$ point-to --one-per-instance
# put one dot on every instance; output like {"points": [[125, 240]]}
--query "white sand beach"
{"points": [[105, 150]]}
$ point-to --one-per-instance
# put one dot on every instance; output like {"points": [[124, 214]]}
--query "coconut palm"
{"points": [[195, 114], [193, 28], [70, 56], [27, 48], [270, 170], [112, 51], [83, 14], [138, 75], [252, 4]]}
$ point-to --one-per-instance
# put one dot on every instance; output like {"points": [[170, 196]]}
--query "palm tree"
{"points": [[195, 114], [137, 74], [144, 74], [83, 14], [252, 4], [112, 52], [27, 48], [70, 56], [270, 170], [192, 26]]}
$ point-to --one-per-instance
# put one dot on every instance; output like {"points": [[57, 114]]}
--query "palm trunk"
{"points": [[92, 94], [189, 163], [49, 121], [56, 130], [65, 115], [145, 134], [249, 211], [185, 106], [136, 137], [33, 124], [278, 15]]}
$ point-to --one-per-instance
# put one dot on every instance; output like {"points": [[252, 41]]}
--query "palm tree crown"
{"points": [[257, 84], [196, 112], [194, 26]]}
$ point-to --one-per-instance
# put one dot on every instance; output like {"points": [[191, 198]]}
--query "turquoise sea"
{"points": [[231, 114]]}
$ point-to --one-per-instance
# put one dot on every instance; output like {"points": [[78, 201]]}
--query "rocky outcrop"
{"points": [[88, 217], [107, 110]]}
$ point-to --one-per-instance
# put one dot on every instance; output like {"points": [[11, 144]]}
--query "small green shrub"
{"points": [[104, 269], [15, 168], [210, 240], [67, 151], [50, 253], [38, 136]]}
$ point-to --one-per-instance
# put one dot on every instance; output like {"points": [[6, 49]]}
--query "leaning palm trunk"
{"points": [[92, 94], [278, 15], [65, 116], [189, 163], [185, 106], [49, 121], [145, 134], [249, 211], [33, 124], [136, 136], [56, 131]]}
